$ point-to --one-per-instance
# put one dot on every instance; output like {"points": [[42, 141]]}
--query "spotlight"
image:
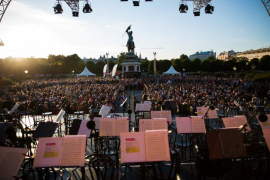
{"points": [[196, 13], [183, 8], [148, 0], [136, 3], [124, 0], [58, 8], [75, 13], [87, 8], [209, 9]]}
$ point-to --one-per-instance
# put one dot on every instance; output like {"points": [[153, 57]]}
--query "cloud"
{"points": [[107, 26]]}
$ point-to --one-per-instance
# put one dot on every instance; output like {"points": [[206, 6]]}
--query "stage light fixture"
{"points": [[75, 13], [136, 3], [87, 8], [183, 8], [196, 13], [124, 0], [263, 117], [58, 8], [148, 0], [209, 9]]}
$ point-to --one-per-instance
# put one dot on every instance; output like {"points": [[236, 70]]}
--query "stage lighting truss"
{"points": [[136, 2], [197, 6], [266, 4], [74, 6]]}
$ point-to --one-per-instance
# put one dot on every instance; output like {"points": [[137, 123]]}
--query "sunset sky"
{"points": [[30, 28]]}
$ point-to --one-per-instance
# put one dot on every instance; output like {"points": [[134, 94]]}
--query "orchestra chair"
{"points": [[167, 170]]}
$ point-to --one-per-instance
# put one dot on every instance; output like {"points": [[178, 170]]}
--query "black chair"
{"points": [[102, 167], [167, 170], [110, 146]]}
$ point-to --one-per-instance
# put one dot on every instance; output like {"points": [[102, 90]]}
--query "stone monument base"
{"points": [[132, 74]]}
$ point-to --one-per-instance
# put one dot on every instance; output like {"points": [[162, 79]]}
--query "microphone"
{"points": [[263, 118], [91, 125]]}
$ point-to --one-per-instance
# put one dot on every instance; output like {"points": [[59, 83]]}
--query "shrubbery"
{"points": [[261, 77], [6, 82]]}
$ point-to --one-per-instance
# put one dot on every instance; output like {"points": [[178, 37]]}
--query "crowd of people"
{"points": [[80, 94]]}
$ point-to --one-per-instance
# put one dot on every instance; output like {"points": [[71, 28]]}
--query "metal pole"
{"points": [[155, 64], [107, 54]]}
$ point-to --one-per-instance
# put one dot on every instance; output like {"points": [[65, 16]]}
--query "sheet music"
{"points": [[106, 127], [183, 125], [105, 110], [162, 114], [265, 125], [160, 123], [212, 114], [73, 151], [120, 125], [157, 146], [60, 115], [266, 133], [143, 107], [14, 108], [48, 152], [97, 121], [201, 111], [10, 161], [198, 125], [230, 122], [132, 147], [83, 130], [145, 124]]}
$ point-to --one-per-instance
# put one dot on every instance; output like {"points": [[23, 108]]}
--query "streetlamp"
{"points": [[184, 70], [26, 72], [107, 54], [73, 72], [155, 64], [234, 68]]}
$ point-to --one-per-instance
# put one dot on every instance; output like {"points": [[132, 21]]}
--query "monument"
{"points": [[131, 66]]}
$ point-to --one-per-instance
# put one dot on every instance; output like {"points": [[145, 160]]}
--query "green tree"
{"points": [[205, 65], [144, 65], [183, 57], [228, 65], [177, 65], [164, 65], [121, 58], [151, 66], [196, 65], [254, 61], [99, 68], [187, 65], [264, 63], [91, 66]]}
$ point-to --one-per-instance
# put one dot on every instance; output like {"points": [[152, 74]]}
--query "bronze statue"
{"points": [[130, 42]]}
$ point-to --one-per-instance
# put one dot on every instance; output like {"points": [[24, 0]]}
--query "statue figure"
{"points": [[130, 42]]}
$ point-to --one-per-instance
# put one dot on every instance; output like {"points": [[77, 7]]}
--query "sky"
{"points": [[30, 28]]}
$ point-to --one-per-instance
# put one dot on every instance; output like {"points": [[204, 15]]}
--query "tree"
{"points": [[177, 65], [242, 64], [144, 65], [205, 64], [151, 66], [264, 63], [196, 65], [254, 61], [111, 64], [121, 58], [99, 68], [187, 65], [164, 65], [228, 65], [211, 58], [90, 66], [183, 57]]}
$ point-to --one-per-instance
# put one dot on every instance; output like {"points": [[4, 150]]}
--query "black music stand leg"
{"points": [[83, 173]]}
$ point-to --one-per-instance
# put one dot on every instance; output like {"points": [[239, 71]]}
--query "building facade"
{"points": [[259, 53], [202, 55], [226, 55]]}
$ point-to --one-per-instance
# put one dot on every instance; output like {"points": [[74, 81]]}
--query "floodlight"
{"points": [[209, 9], [183, 8], [58, 8], [196, 12], [87, 8], [136, 3], [75, 13]]}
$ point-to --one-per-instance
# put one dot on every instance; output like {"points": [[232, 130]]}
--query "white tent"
{"points": [[171, 71], [86, 72]]}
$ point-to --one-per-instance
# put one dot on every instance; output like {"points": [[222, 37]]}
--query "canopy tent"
{"points": [[171, 71], [86, 72]]}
